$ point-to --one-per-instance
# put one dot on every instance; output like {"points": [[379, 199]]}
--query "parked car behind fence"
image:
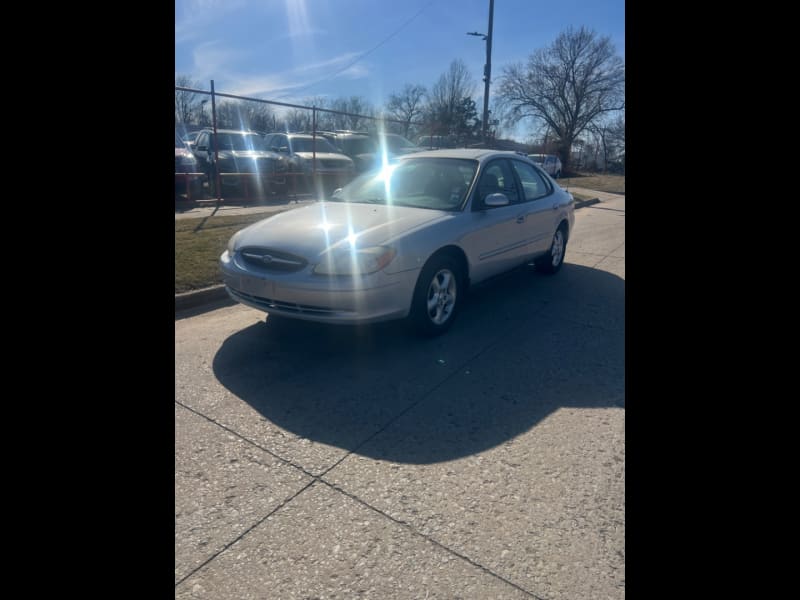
{"points": [[246, 166], [188, 179], [333, 169]]}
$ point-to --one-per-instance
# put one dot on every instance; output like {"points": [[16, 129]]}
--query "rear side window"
{"points": [[533, 184]]}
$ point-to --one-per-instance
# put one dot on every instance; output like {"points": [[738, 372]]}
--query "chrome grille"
{"points": [[267, 259]]}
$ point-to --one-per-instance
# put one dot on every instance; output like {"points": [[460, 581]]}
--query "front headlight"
{"points": [[361, 261], [187, 161]]}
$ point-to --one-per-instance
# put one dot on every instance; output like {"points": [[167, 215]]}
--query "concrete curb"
{"points": [[582, 203], [195, 298], [212, 295]]}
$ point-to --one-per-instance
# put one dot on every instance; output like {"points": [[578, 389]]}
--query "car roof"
{"points": [[303, 135], [239, 131], [480, 154], [343, 134]]}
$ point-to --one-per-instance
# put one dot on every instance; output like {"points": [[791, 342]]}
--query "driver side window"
{"points": [[496, 178]]}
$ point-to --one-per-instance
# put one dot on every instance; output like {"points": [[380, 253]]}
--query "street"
{"points": [[339, 462]]}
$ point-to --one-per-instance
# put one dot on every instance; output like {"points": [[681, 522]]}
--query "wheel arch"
{"points": [[459, 256]]}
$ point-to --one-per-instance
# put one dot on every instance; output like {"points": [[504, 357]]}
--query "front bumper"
{"points": [[303, 295]]}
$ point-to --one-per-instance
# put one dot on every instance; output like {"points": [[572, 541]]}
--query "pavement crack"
{"points": [[245, 532], [245, 439], [429, 539]]}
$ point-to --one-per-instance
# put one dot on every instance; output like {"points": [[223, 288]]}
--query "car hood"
{"points": [[407, 150], [314, 229], [249, 154]]}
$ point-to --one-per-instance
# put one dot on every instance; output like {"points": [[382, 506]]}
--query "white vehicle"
{"points": [[549, 162], [403, 241]]}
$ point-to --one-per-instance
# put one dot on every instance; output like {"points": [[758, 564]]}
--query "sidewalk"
{"points": [[207, 208]]}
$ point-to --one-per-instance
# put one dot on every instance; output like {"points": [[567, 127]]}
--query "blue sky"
{"points": [[288, 50]]}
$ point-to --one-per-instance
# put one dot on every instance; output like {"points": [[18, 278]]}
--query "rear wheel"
{"points": [[551, 262], [437, 296]]}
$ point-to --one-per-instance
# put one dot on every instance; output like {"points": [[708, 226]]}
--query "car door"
{"points": [[496, 236], [204, 152], [537, 206]]}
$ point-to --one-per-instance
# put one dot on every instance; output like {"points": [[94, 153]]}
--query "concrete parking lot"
{"points": [[340, 462]]}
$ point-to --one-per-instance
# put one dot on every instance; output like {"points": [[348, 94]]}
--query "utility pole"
{"points": [[487, 71]]}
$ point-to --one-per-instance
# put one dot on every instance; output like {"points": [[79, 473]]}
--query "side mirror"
{"points": [[202, 148], [496, 199]]}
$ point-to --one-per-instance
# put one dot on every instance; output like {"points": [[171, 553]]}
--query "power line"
{"points": [[370, 51]]}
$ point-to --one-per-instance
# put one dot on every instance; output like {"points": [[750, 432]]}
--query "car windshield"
{"points": [[307, 145], [240, 141], [434, 183], [357, 146]]}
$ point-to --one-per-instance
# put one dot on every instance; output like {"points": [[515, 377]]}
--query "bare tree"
{"points": [[256, 115], [297, 119], [325, 120], [567, 85], [407, 105], [609, 137], [227, 114], [617, 138], [599, 131], [187, 104], [244, 114], [300, 119], [358, 108], [449, 110]]}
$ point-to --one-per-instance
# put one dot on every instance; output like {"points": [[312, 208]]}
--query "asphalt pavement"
{"points": [[362, 462]]}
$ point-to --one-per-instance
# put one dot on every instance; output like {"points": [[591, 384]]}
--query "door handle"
{"points": [[521, 219], [555, 206]]}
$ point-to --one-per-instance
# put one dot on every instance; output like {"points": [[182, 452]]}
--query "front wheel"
{"points": [[551, 262], [436, 296]]}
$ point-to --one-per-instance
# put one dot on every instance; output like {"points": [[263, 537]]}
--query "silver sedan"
{"points": [[404, 241]]}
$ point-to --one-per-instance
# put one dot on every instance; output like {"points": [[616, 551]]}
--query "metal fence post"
{"points": [[216, 146], [314, 144]]}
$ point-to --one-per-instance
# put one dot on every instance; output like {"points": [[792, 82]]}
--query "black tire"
{"points": [[437, 296], [551, 262]]}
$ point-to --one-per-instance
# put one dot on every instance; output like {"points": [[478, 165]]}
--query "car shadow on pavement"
{"points": [[522, 347]]}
